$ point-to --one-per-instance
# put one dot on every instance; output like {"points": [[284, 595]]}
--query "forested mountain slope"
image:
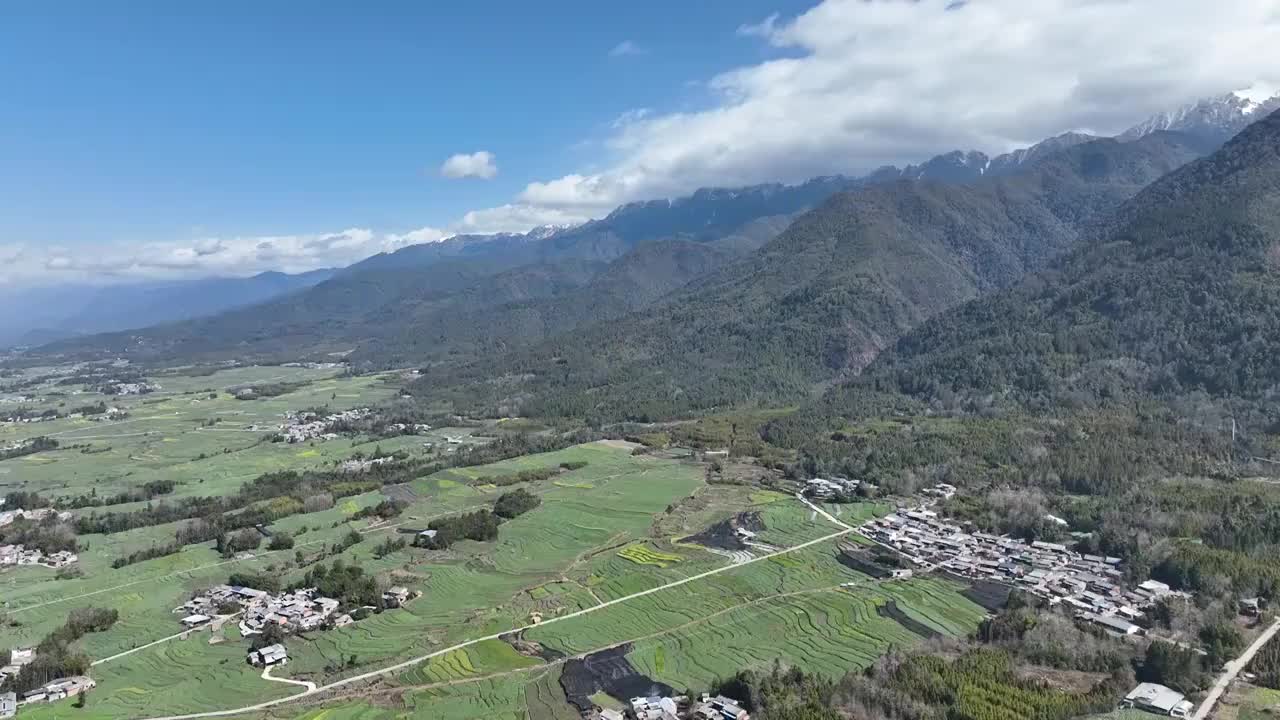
{"points": [[406, 304], [483, 321], [823, 299], [1181, 296]]}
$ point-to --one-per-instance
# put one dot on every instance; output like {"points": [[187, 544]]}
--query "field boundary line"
{"points": [[560, 661], [176, 573], [153, 643], [497, 636]]}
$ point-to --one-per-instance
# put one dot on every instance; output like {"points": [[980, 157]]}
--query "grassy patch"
{"points": [[642, 554]]}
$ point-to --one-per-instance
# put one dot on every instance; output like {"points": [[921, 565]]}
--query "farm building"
{"points": [[719, 708], [655, 708], [269, 655], [194, 620], [68, 687], [396, 596], [1113, 624], [1158, 699]]}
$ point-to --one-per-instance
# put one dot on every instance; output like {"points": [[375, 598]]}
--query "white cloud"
{"points": [[765, 28], [864, 83], [226, 256], [626, 47], [517, 217], [477, 164]]}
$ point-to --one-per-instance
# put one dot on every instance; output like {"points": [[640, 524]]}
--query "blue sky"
{"points": [[155, 139], [259, 118]]}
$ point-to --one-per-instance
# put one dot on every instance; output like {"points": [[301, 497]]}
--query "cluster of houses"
{"points": [[290, 611], [823, 488], [1090, 585], [19, 555], [59, 689], [658, 707], [359, 466], [27, 420], [303, 427], [130, 388], [409, 429], [8, 517]]}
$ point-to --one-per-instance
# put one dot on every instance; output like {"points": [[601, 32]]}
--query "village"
{"points": [[291, 611], [303, 426], [7, 517], [1090, 585], [21, 556]]}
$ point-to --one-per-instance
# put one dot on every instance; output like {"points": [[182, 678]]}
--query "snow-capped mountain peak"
{"points": [[1218, 118]]}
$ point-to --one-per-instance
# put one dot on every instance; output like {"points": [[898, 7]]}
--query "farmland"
{"points": [[604, 561]]}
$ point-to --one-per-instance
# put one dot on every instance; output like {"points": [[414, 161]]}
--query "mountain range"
{"points": [[728, 296], [820, 301]]}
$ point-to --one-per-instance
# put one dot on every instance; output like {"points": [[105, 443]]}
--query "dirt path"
{"points": [[475, 641], [202, 626], [823, 513], [266, 675]]}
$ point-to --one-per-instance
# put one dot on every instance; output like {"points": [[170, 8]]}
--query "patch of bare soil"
{"points": [[724, 535], [620, 444], [1072, 681]]}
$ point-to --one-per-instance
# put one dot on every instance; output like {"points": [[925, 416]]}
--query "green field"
{"points": [[605, 531]]}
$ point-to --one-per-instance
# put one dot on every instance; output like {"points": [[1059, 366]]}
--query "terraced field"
{"points": [[645, 555], [179, 676], [486, 658]]}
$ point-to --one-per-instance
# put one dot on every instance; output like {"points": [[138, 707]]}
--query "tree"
{"points": [[1172, 665], [271, 634], [1221, 641], [516, 503]]}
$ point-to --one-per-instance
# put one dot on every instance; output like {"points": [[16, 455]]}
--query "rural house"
{"points": [[1158, 699], [269, 655]]}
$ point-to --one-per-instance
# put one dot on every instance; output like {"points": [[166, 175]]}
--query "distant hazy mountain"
{"points": [[411, 298], [42, 315]]}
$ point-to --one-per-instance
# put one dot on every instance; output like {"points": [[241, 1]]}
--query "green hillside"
{"points": [[1179, 299], [818, 303]]}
